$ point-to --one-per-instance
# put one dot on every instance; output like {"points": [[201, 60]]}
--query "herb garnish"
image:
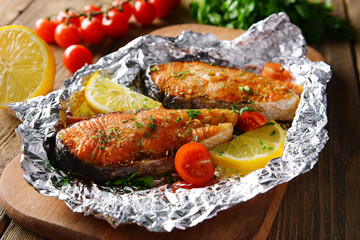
{"points": [[193, 113], [313, 17], [145, 182]]}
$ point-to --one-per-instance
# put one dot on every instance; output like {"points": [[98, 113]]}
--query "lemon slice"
{"points": [[251, 150], [27, 65], [103, 96]]}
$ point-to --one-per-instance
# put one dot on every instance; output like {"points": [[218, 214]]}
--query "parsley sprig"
{"points": [[312, 17]]}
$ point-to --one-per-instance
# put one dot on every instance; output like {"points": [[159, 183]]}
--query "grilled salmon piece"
{"points": [[201, 85], [116, 145]]}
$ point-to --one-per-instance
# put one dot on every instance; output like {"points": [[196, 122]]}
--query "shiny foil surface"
{"points": [[162, 209]]}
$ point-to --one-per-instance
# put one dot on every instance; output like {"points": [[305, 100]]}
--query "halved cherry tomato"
{"points": [[71, 15], [144, 12], [115, 24], [92, 30], [124, 7], [76, 56], [193, 164], [66, 35], [276, 71], [162, 7], [250, 120], [45, 29]]}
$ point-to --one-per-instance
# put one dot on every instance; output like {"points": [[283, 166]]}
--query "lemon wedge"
{"points": [[27, 65], [104, 96], [251, 150]]}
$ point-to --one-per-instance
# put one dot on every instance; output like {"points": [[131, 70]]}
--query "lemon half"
{"points": [[104, 96], [27, 65], [251, 150]]}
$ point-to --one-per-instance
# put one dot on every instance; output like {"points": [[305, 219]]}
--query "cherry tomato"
{"points": [[76, 56], [124, 7], [66, 35], [45, 29], [92, 31], [250, 120], [93, 10], [276, 71], [115, 24], [193, 164], [175, 3], [162, 7], [144, 12], [71, 15]]}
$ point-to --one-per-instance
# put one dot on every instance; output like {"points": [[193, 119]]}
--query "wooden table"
{"points": [[321, 204]]}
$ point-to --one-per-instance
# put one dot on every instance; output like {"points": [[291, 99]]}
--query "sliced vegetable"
{"points": [[193, 164], [250, 120], [276, 71]]}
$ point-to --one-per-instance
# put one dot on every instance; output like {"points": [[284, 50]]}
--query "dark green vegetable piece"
{"points": [[313, 18]]}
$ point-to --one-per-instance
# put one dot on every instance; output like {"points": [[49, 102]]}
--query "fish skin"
{"points": [[201, 85], [116, 145]]}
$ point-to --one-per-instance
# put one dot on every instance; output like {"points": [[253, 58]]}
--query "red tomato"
{"points": [[76, 56], [70, 15], [92, 31], [193, 164], [66, 35], [250, 120], [276, 71], [124, 7], [93, 10], [162, 7], [115, 24], [45, 29], [144, 12]]}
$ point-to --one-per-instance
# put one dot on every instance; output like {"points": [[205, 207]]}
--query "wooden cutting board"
{"points": [[51, 218]]}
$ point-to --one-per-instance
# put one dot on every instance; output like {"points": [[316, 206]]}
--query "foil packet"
{"points": [[161, 209]]}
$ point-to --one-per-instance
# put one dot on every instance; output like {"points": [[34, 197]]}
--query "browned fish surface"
{"points": [[116, 145], [201, 85]]}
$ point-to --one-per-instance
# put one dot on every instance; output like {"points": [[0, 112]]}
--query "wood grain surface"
{"points": [[322, 204], [51, 218]]}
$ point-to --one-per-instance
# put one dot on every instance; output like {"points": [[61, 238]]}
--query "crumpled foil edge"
{"points": [[163, 209]]}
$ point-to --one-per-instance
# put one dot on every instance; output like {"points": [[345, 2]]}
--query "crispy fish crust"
{"points": [[116, 145], [201, 85]]}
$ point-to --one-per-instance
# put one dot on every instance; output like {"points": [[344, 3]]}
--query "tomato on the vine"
{"points": [[144, 12], [162, 7], [193, 164], [76, 56], [250, 120], [71, 15], [115, 24], [93, 10], [66, 35], [124, 7], [45, 29], [92, 30], [276, 71]]}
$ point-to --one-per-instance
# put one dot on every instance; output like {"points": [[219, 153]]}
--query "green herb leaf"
{"points": [[313, 17], [193, 113]]}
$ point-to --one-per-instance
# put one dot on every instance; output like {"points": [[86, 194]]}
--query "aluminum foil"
{"points": [[161, 208]]}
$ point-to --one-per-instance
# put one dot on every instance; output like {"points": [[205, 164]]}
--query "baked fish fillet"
{"points": [[201, 85], [116, 145]]}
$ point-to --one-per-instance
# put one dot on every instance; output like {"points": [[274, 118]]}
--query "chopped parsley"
{"points": [[193, 113], [178, 119], [273, 133], [139, 125]]}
